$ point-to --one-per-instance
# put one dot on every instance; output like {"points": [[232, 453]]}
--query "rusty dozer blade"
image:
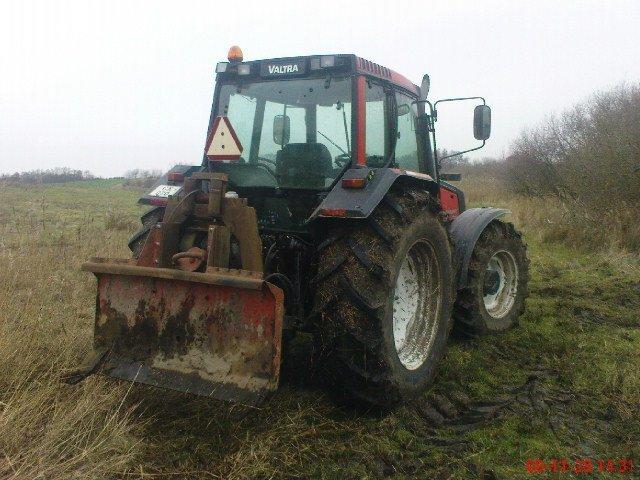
{"points": [[177, 316], [214, 334]]}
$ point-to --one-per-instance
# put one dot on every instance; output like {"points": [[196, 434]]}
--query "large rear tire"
{"points": [[148, 220], [384, 300], [497, 286]]}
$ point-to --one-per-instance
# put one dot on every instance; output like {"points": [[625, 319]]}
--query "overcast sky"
{"points": [[114, 85]]}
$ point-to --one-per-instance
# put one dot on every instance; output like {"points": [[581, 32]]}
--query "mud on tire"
{"points": [[148, 220], [359, 264], [479, 309]]}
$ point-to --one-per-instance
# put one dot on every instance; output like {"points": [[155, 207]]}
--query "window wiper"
{"points": [[333, 143], [340, 106]]}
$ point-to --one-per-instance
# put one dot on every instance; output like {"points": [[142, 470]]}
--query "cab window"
{"points": [[406, 150], [297, 133], [294, 133], [375, 125]]}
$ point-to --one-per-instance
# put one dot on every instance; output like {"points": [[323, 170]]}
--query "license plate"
{"points": [[165, 190]]}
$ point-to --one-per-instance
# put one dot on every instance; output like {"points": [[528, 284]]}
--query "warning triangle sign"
{"points": [[223, 143]]}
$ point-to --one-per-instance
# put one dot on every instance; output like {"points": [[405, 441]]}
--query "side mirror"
{"points": [[281, 129], [482, 122], [424, 87]]}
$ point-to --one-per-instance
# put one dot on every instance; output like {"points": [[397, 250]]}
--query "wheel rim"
{"points": [[416, 305], [500, 284]]}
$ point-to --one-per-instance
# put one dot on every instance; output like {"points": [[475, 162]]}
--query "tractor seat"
{"points": [[303, 165]]}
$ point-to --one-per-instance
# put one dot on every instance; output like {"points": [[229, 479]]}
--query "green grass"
{"points": [[564, 384]]}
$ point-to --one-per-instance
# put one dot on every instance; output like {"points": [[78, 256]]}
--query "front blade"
{"points": [[215, 335]]}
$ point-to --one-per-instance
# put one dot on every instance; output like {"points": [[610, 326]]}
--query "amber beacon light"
{"points": [[235, 54]]}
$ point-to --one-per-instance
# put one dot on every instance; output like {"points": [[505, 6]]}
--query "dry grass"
{"points": [[116, 221], [551, 220], [581, 329], [51, 430]]}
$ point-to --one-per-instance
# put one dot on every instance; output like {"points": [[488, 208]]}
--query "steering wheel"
{"points": [[267, 169], [267, 160], [342, 160]]}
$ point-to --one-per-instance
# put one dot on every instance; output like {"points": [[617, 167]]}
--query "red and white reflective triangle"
{"points": [[223, 143]]}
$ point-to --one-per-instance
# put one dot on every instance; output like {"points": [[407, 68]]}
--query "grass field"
{"points": [[565, 384]]}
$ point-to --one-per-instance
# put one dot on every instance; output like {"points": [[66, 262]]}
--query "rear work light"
{"points": [[221, 67], [326, 61], [354, 182], [244, 69]]}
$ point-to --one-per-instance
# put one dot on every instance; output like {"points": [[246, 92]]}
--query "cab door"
{"points": [[406, 152]]}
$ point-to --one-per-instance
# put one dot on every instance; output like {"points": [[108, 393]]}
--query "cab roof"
{"points": [[368, 67], [290, 67]]}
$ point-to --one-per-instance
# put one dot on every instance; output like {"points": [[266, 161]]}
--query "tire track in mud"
{"points": [[458, 413], [444, 419]]}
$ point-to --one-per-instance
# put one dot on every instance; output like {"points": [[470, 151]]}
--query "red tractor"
{"points": [[318, 207]]}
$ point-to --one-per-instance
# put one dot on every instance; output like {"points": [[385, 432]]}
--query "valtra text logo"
{"points": [[283, 69]]}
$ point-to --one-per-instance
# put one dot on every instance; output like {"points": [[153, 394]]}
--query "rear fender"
{"points": [[361, 202], [465, 230]]}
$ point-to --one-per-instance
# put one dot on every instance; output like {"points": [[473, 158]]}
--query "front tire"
{"points": [[497, 284], [384, 300]]}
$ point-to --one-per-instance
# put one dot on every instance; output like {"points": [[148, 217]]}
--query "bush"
{"points": [[451, 161], [40, 177], [138, 178], [588, 158]]}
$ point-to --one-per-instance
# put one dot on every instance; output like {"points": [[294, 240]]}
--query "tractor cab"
{"points": [[301, 122]]}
